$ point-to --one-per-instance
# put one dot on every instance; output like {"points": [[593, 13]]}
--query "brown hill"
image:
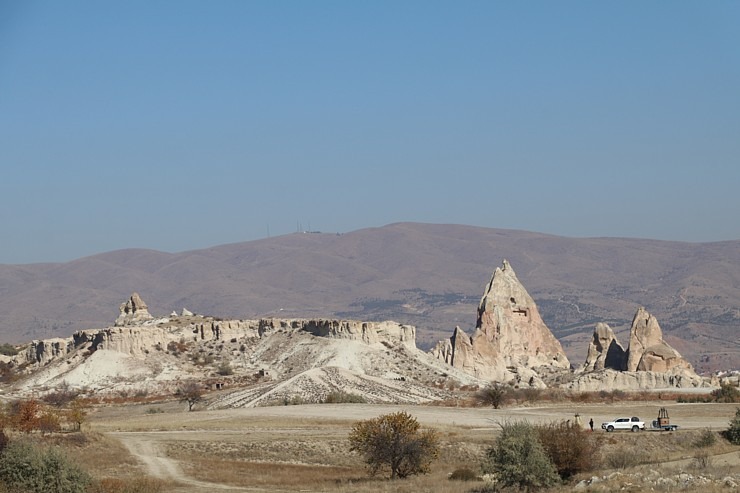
{"points": [[427, 275]]}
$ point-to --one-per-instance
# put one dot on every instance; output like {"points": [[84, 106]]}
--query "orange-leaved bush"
{"points": [[395, 442]]}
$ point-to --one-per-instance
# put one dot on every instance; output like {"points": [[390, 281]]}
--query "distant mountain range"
{"points": [[428, 275]]}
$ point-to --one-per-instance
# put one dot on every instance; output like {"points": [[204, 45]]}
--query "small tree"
{"points": [[26, 415], [494, 394], [395, 441], [732, 434], [191, 392], [77, 413], [517, 458]]}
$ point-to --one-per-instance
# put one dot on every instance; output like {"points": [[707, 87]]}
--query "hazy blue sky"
{"points": [[176, 125]]}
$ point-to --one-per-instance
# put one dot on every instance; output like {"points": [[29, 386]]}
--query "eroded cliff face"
{"points": [[510, 338], [156, 335], [355, 330]]}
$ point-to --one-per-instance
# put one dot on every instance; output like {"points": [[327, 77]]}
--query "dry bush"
{"points": [[706, 439], [60, 397], [702, 460], [494, 394], [464, 474], [396, 442], [624, 458], [571, 449], [136, 485], [48, 422], [727, 393]]}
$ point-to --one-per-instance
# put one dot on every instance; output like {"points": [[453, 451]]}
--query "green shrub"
{"points": [[570, 448], [732, 434], [32, 469], [517, 458], [8, 349], [463, 474], [225, 369]]}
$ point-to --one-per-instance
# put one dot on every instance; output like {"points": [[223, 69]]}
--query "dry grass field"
{"points": [[305, 448]]}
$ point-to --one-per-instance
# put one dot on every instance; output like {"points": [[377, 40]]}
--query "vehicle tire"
{"points": [[635, 429], [609, 428]]}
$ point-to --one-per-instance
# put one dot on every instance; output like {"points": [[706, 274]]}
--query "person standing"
{"points": [[591, 423]]}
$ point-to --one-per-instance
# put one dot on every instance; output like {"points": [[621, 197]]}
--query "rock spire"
{"points": [[647, 350], [510, 338], [133, 311], [604, 351]]}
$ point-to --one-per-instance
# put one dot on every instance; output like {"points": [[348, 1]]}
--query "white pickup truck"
{"points": [[632, 423]]}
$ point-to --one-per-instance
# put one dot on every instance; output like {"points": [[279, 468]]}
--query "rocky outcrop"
{"points": [[510, 337], [647, 350], [367, 332], [604, 351], [140, 340], [648, 363], [635, 380], [133, 311]]}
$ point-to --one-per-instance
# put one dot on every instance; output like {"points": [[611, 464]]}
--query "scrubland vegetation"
{"points": [[63, 443]]}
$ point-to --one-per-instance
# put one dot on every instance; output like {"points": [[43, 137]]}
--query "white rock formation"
{"points": [[133, 311], [635, 380], [647, 350], [510, 338], [604, 351]]}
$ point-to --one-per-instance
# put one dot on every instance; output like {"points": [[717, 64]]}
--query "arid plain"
{"points": [[305, 447]]}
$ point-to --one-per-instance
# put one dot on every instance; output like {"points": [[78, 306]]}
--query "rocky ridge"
{"points": [[254, 361], [277, 360]]}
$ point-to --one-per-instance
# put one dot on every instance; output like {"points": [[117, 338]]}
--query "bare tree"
{"points": [[190, 392]]}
